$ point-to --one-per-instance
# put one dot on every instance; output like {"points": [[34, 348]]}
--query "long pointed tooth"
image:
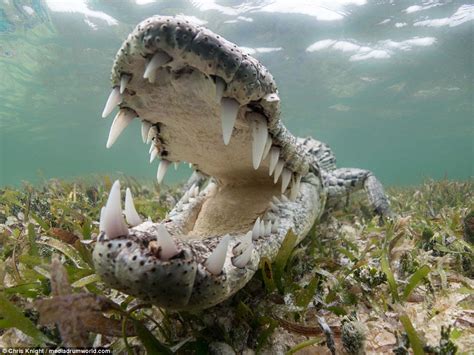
{"points": [[113, 223], [259, 135], [220, 87], [244, 258], [124, 80], [284, 198], [153, 154], [145, 129], [121, 120], [276, 200], [152, 132], [114, 99], [176, 165], [246, 240], [152, 146], [101, 223], [156, 61], [256, 229], [268, 228], [285, 179], [164, 164], [295, 188], [131, 215], [168, 246], [273, 207], [268, 145], [229, 111], [216, 260], [275, 226], [278, 170], [274, 156], [262, 228]]}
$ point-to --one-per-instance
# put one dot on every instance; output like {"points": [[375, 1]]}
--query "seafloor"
{"points": [[354, 285]]}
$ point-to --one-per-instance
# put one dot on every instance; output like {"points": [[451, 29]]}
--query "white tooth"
{"points": [[278, 170], [256, 229], [185, 198], [259, 129], [151, 134], [196, 191], [101, 223], [268, 145], [131, 215], [114, 99], [156, 61], [124, 80], [153, 154], [152, 146], [113, 223], [275, 226], [121, 120], [220, 86], [245, 241], [229, 111], [176, 165], [295, 188], [276, 200], [215, 261], [164, 164], [274, 156], [190, 165], [262, 228], [145, 129], [273, 207], [285, 179], [284, 198], [268, 228], [168, 246], [244, 258]]}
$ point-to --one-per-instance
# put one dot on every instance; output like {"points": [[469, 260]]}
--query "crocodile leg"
{"points": [[342, 182]]}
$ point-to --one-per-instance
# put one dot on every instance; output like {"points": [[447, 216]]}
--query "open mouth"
{"points": [[203, 101]]}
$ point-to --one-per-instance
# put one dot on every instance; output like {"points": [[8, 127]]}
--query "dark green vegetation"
{"points": [[352, 284]]}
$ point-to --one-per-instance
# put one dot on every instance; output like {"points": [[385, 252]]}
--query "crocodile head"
{"points": [[203, 101]]}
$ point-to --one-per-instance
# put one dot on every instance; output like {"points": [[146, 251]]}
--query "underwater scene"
{"points": [[237, 177]]}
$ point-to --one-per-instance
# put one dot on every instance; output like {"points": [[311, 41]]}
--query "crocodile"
{"points": [[203, 100]]}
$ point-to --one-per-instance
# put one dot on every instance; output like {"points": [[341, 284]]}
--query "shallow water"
{"points": [[387, 84]]}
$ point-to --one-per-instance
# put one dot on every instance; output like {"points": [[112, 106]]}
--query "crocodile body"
{"points": [[204, 101]]}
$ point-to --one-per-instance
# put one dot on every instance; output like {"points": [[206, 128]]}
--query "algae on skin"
{"points": [[336, 273]]}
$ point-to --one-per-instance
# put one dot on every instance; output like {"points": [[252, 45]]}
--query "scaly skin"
{"points": [[182, 101]]}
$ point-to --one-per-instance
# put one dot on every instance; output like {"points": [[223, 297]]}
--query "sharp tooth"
{"points": [[284, 198], [196, 191], [121, 120], [215, 261], [275, 226], [229, 111], [220, 87], [152, 132], [101, 223], [152, 146], [273, 207], [285, 179], [259, 134], [268, 145], [114, 99], [274, 156], [131, 215], [268, 228], [295, 188], [256, 229], [276, 200], [145, 129], [190, 165], [244, 258], [113, 223], [247, 240], [164, 164], [124, 80], [168, 246], [153, 154], [176, 165], [156, 61], [278, 170], [262, 228]]}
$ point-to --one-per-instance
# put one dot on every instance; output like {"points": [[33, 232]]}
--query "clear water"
{"points": [[388, 84]]}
